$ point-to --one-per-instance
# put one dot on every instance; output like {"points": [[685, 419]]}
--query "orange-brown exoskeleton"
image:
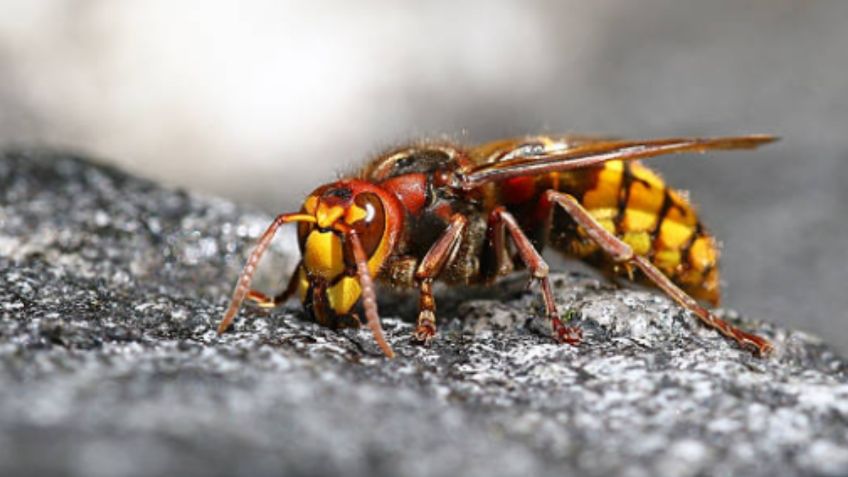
{"points": [[469, 215]]}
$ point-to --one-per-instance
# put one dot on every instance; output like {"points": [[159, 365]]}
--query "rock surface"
{"points": [[111, 287]]}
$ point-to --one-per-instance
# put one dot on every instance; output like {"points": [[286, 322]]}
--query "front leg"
{"points": [[431, 265], [264, 301]]}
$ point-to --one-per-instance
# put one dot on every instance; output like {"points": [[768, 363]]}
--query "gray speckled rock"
{"points": [[110, 288]]}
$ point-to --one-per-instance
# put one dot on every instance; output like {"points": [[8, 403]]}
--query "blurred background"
{"points": [[261, 101]]}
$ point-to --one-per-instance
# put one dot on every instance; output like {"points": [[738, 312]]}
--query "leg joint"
{"points": [[541, 270]]}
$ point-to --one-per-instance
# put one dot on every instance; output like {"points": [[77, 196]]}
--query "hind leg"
{"points": [[622, 253]]}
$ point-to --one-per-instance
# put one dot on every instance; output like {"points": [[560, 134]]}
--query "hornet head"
{"points": [[346, 230]]}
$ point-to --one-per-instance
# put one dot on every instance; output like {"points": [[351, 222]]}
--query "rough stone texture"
{"points": [[110, 288]]}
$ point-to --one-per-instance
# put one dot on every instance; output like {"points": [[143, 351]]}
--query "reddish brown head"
{"points": [[329, 265], [346, 231]]}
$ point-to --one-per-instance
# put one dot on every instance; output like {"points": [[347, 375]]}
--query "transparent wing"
{"points": [[502, 160]]}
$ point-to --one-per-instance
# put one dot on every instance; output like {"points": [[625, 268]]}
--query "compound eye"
{"points": [[373, 224]]}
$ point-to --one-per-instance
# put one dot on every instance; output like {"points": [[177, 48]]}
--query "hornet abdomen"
{"points": [[635, 204]]}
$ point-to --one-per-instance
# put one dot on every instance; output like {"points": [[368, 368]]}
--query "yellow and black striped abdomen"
{"points": [[635, 204]]}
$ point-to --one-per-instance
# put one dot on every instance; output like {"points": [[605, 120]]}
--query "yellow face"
{"points": [[327, 279]]}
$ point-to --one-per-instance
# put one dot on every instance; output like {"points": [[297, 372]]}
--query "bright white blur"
{"points": [[216, 94]]}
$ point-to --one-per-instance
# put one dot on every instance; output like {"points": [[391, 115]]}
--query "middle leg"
{"points": [[431, 265]]}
